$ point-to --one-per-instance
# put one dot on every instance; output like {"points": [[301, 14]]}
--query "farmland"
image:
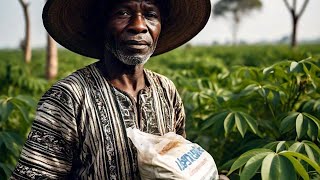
{"points": [[259, 101]]}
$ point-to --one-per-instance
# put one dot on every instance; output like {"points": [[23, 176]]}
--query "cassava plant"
{"points": [[15, 120], [260, 123]]}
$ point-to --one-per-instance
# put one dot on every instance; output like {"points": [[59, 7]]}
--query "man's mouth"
{"points": [[137, 42], [139, 45]]}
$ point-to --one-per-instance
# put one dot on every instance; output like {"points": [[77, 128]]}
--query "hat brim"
{"points": [[67, 21]]}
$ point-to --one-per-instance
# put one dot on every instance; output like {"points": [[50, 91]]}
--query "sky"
{"points": [[271, 23]]}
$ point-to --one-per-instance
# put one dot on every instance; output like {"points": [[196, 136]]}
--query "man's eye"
{"points": [[123, 13], [151, 15]]}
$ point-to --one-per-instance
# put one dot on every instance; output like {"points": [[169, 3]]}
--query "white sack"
{"points": [[171, 157]]}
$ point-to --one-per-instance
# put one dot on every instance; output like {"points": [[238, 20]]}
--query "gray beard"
{"points": [[128, 60]]}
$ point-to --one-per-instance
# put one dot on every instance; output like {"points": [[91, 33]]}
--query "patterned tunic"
{"points": [[79, 131]]}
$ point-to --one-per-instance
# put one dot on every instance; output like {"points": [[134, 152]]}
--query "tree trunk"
{"points": [[295, 16], [52, 59], [27, 41], [235, 28], [294, 32], [235, 33]]}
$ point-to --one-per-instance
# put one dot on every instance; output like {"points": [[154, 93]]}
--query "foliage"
{"points": [[237, 8], [251, 107], [15, 120], [256, 109], [21, 86]]}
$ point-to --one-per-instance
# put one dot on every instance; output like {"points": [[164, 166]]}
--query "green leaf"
{"points": [[277, 167], [309, 152], [266, 166], [22, 109], [263, 92], [7, 169], [308, 106], [315, 120], [213, 120], [307, 148], [227, 165], [303, 157], [305, 68], [251, 122], [301, 126], [253, 164], [296, 147], [241, 124], [296, 67], [229, 123], [10, 139], [27, 100], [249, 89], [298, 167], [5, 110], [281, 146], [312, 131], [313, 146], [245, 157], [288, 122], [278, 65], [272, 146], [268, 70], [276, 98]]}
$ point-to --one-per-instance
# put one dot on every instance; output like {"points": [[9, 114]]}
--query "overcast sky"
{"points": [[270, 23]]}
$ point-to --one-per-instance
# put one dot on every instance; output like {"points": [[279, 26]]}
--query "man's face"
{"points": [[132, 30]]}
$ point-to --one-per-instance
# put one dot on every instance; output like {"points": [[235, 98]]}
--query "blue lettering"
{"points": [[188, 158], [179, 165]]}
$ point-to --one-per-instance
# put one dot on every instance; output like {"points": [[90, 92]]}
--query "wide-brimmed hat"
{"points": [[70, 23]]}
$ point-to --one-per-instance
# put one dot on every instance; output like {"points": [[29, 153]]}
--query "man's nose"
{"points": [[138, 24]]}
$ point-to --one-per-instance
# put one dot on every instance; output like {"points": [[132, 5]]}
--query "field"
{"points": [[255, 109]]}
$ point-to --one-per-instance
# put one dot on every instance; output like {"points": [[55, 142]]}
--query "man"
{"points": [[79, 131]]}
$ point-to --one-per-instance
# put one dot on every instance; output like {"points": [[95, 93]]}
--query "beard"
{"points": [[134, 59]]}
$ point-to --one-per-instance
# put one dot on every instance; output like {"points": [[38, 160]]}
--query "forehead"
{"points": [[115, 3], [162, 5]]}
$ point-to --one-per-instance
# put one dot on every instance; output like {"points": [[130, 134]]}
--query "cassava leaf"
{"points": [[251, 122], [229, 123], [210, 121], [253, 164], [243, 159], [241, 124], [298, 167], [301, 126], [314, 164], [288, 122], [275, 166]]}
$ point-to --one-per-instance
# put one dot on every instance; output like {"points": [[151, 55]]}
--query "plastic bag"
{"points": [[171, 157]]}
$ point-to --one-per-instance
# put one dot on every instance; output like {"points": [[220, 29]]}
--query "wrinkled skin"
{"points": [[132, 31]]}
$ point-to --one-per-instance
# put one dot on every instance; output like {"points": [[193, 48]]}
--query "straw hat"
{"points": [[71, 22]]}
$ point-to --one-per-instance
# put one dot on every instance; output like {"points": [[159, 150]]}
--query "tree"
{"points": [[52, 59], [295, 16], [26, 44], [237, 8]]}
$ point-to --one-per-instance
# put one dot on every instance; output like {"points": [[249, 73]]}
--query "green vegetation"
{"points": [[256, 109]]}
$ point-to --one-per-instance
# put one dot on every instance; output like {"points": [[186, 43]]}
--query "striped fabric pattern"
{"points": [[79, 131]]}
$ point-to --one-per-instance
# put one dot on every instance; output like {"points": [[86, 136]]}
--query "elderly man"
{"points": [[79, 131]]}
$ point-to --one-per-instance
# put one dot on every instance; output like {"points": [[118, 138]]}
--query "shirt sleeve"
{"points": [[179, 114], [50, 147]]}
